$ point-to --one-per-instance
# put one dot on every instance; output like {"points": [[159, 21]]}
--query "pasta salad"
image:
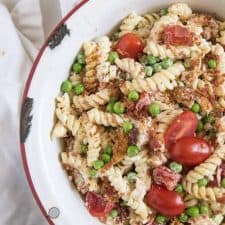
{"points": [[142, 120]]}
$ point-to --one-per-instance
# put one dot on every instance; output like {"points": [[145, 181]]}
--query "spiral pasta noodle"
{"points": [[103, 118], [134, 69], [165, 79], [180, 9], [94, 100], [129, 23], [207, 168]]}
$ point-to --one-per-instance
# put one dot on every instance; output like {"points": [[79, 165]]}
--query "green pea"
{"points": [[93, 173], [163, 12], [166, 63], [109, 107], [81, 58], [157, 67], [200, 126], [113, 214], [202, 182], [148, 71], [176, 167], [112, 57], [212, 64], [154, 109], [132, 176], [196, 108], [209, 119], [192, 211], [127, 126], [78, 89], [179, 188], [118, 108], [132, 150], [66, 86], [223, 182], [106, 158], [160, 219], [187, 64], [108, 150], [84, 149], [183, 218], [151, 59], [77, 68], [133, 96], [98, 164], [204, 209]]}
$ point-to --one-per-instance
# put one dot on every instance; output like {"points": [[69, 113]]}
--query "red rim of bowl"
{"points": [[26, 89]]}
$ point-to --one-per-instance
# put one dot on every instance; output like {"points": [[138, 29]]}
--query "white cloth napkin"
{"points": [[23, 29]]}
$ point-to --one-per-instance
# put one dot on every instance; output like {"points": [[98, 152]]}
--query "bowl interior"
{"points": [[93, 19]]}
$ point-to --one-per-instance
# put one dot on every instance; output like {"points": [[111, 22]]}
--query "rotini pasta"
{"points": [[165, 79], [207, 168], [180, 9], [94, 100], [103, 118], [134, 69]]}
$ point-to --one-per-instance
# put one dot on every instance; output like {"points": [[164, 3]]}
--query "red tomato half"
{"points": [[129, 46], [190, 151], [97, 205], [177, 35], [168, 203], [184, 125]]}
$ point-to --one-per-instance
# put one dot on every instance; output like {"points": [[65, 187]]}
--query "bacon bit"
{"points": [[138, 110], [133, 136], [155, 141], [183, 95], [177, 35], [151, 222], [119, 149], [108, 191], [222, 166], [221, 199], [143, 101], [123, 213], [166, 177]]}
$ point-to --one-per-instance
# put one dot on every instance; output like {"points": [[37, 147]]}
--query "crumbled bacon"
{"points": [[138, 110], [222, 166], [123, 213], [108, 191], [183, 95], [166, 177], [177, 35], [155, 141], [143, 101], [133, 136], [119, 149], [151, 222]]}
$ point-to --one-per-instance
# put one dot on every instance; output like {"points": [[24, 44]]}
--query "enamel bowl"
{"points": [[56, 197]]}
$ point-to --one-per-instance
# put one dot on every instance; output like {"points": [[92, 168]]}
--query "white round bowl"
{"points": [[58, 200]]}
